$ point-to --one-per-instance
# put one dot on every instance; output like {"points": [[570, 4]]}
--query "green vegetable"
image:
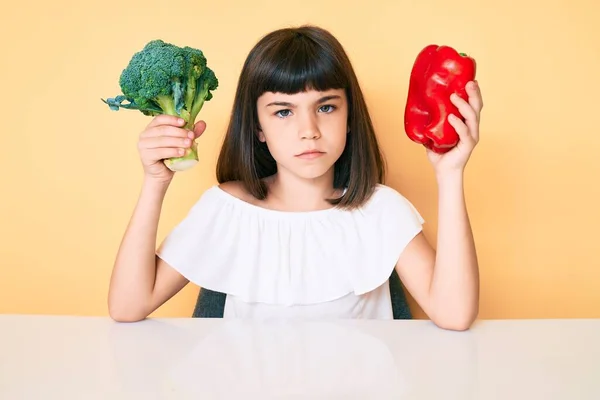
{"points": [[163, 78]]}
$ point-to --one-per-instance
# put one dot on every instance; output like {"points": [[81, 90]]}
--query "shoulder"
{"points": [[382, 191], [235, 188], [387, 206], [388, 197], [221, 194], [237, 191]]}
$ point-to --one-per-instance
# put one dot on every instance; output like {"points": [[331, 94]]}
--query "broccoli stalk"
{"points": [[203, 90], [166, 79], [166, 104]]}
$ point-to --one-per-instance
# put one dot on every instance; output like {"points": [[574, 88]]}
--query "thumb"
{"points": [[199, 128]]}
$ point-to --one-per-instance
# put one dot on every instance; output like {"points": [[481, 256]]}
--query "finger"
{"points": [[432, 154], [166, 130], [162, 153], [165, 142], [467, 112], [475, 99], [199, 129], [165, 119], [461, 128], [465, 108]]}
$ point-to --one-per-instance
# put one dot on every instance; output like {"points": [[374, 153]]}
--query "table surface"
{"points": [[62, 357]]}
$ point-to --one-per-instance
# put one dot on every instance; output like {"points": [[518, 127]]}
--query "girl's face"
{"points": [[305, 132]]}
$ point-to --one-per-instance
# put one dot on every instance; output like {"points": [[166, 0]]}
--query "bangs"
{"points": [[297, 64]]}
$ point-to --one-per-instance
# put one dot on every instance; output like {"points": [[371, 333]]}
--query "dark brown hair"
{"points": [[290, 61]]}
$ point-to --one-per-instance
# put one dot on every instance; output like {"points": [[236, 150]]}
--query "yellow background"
{"points": [[71, 176]]}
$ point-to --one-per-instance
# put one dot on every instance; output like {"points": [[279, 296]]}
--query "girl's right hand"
{"points": [[165, 137]]}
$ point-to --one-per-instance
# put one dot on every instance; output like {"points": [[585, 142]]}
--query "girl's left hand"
{"points": [[468, 132]]}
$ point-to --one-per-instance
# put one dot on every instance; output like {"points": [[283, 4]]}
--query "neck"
{"points": [[291, 193]]}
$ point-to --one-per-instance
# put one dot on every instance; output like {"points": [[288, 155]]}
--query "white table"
{"points": [[46, 357]]}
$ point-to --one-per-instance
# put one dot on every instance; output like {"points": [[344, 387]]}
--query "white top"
{"points": [[277, 264]]}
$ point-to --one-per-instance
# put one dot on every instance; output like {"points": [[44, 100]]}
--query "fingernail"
{"points": [[191, 134]]}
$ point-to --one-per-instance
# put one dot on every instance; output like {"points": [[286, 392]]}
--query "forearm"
{"points": [[454, 290], [134, 272]]}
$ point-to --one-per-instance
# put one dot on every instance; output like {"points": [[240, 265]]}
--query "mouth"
{"points": [[310, 154]]}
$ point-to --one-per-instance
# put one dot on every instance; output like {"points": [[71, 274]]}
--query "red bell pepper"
{"points": [[438, 72]]}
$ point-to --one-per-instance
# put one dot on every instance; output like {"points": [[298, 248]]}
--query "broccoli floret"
{"points": [[163, 78]]}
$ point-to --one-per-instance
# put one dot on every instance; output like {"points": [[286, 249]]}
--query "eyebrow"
{"points": [[286, 104]]}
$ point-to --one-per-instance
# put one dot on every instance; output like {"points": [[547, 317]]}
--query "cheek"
{"points": [[276, 133], [340, 144], [337, 133], [276, 140]]}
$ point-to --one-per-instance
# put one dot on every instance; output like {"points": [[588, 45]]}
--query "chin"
{"points": [[311, 176], [311, 172]]}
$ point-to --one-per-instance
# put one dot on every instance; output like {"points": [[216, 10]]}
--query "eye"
{"points": [[327, 108], [282, 113]]}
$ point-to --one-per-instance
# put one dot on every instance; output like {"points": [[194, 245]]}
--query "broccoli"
{"points": [[163, 78]]}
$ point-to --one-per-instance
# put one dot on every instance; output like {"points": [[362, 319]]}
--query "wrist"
{"points": [[155, 186], [451, 177]]}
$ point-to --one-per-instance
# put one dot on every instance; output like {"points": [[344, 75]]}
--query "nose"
{"points": [[309, 128]]}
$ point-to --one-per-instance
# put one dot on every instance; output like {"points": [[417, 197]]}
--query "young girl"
{"points": [[301, 224]]}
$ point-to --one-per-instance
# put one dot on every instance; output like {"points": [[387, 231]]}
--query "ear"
{"points": [[260, 135]]}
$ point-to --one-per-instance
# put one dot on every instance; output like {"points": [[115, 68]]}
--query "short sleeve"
{"points": [[202, 232], [392, 223]]}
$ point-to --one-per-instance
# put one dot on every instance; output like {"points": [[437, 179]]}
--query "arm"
{"points": [[141, 282], [445, 284]]}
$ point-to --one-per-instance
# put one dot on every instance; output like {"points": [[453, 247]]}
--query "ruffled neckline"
{"points": [[272, 213]]}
